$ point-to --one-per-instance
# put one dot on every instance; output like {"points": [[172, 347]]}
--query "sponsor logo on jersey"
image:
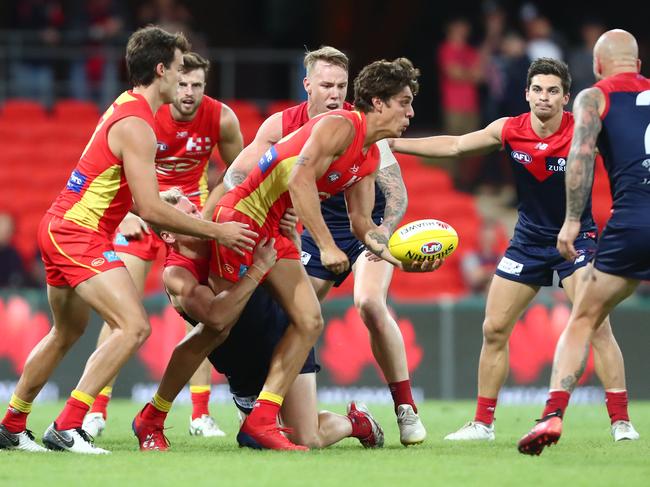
{"points": [[521, 157], [510, 266], [431, 248], [76, 181], [162, 147], [268, 159], [198, 144], [354, 169], [541, 146], [97, 262], [556, 164], [333, 176], [111, 256]]}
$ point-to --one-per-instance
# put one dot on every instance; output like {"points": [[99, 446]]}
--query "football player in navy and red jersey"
{"points": [[537, 144], [115, 169], [333, 152], [613, 116], [326, 83], [187, 132], [245, 356]]}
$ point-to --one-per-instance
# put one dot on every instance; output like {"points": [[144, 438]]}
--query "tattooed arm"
{"points": [[580, 165], [389, 180]]}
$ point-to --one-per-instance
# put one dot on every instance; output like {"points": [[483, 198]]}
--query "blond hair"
{"points": [[327, 54]]}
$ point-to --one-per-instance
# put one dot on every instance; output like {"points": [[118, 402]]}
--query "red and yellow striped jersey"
{"points": [[97, 195], [264, 195], [184, 149]]}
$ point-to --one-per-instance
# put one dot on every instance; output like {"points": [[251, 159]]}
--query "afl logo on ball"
{"points": [[431, 248], [97, 262]]}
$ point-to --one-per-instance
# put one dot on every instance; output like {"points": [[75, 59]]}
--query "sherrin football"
{"points": [[423, 240]]}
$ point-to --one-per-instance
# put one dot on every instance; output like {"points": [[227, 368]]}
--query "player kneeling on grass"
{"points": [[246, 354]]}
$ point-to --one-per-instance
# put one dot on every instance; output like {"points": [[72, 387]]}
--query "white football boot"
{"points": [[205, 426], [411, 429], [473, 431], [74, 440], [19, 441], [623, 430], [94, 424]]}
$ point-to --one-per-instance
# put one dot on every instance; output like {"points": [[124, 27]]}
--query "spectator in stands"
{"points": [[460, 74], [515, 70], [580, 58], [98, 25], [542, 41], [172, 16], [12, 270], [41, 21], [478, 266]]}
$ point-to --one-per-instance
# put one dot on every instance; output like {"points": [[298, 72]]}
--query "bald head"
{"points": [[616, 51]]}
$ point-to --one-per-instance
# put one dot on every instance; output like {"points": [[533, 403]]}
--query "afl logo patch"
{"points": [[521, 157], [97, 262], [431, 248], [333, 176]]}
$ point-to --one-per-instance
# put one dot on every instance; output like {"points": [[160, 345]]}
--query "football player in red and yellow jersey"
{"points": [[187, 132], [83, 271], [333, 152]]}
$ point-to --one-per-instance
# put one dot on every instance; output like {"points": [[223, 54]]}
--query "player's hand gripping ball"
{"points": [[423, 240]]}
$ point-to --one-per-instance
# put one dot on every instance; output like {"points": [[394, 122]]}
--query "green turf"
{"points": [[586, 455]]}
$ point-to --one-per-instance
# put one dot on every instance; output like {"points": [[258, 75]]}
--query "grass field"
{"points": [[586, 455]]}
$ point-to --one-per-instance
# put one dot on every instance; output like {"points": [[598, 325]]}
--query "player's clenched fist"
{"points": [[236, 236], [334, 259]]}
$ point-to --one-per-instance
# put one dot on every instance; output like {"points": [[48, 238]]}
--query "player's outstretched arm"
{"points": [[230, 145], [329, 138], [221, 311], [480, 142], [133, 141], [389, 179], [580, 165]]}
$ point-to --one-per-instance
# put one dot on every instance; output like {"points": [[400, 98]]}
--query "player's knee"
{"points": [[372, 310], [311, 324], [137, 333], [495, 332], [64, 339]]}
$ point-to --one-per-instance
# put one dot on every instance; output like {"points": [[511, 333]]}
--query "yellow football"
{"points": [[423, 240]]}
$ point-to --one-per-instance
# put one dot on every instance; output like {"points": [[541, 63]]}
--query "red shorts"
{"points": [[73, 254], [231, 266], [146, 248]]}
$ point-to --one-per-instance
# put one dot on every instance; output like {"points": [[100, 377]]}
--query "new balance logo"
{"points": [[541, 146]]}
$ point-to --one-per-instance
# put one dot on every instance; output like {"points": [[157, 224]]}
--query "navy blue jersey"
{"points": [[539, 167], [624, 142]]}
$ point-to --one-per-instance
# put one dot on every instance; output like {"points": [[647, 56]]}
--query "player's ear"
{"points": [[307, 85], [638, 65], [160, 69], [167, 237], [377, 104]]}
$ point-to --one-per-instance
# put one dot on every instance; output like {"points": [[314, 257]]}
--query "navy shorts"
{"points": [[310, 255], [244, 358], [624, 251], [535, 264]]}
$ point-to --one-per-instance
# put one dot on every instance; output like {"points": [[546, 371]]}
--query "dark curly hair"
{"points": [[384, 79], [149, 46], [547, 65]]}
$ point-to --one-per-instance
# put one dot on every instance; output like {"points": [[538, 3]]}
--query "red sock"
{"points": [[556, 400], [100, 404], [617, 406], [14, 420], [485, 407], [200, 402], [152, 415], [72, 415], [264, 413], [361, 427], [401, 392]]}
